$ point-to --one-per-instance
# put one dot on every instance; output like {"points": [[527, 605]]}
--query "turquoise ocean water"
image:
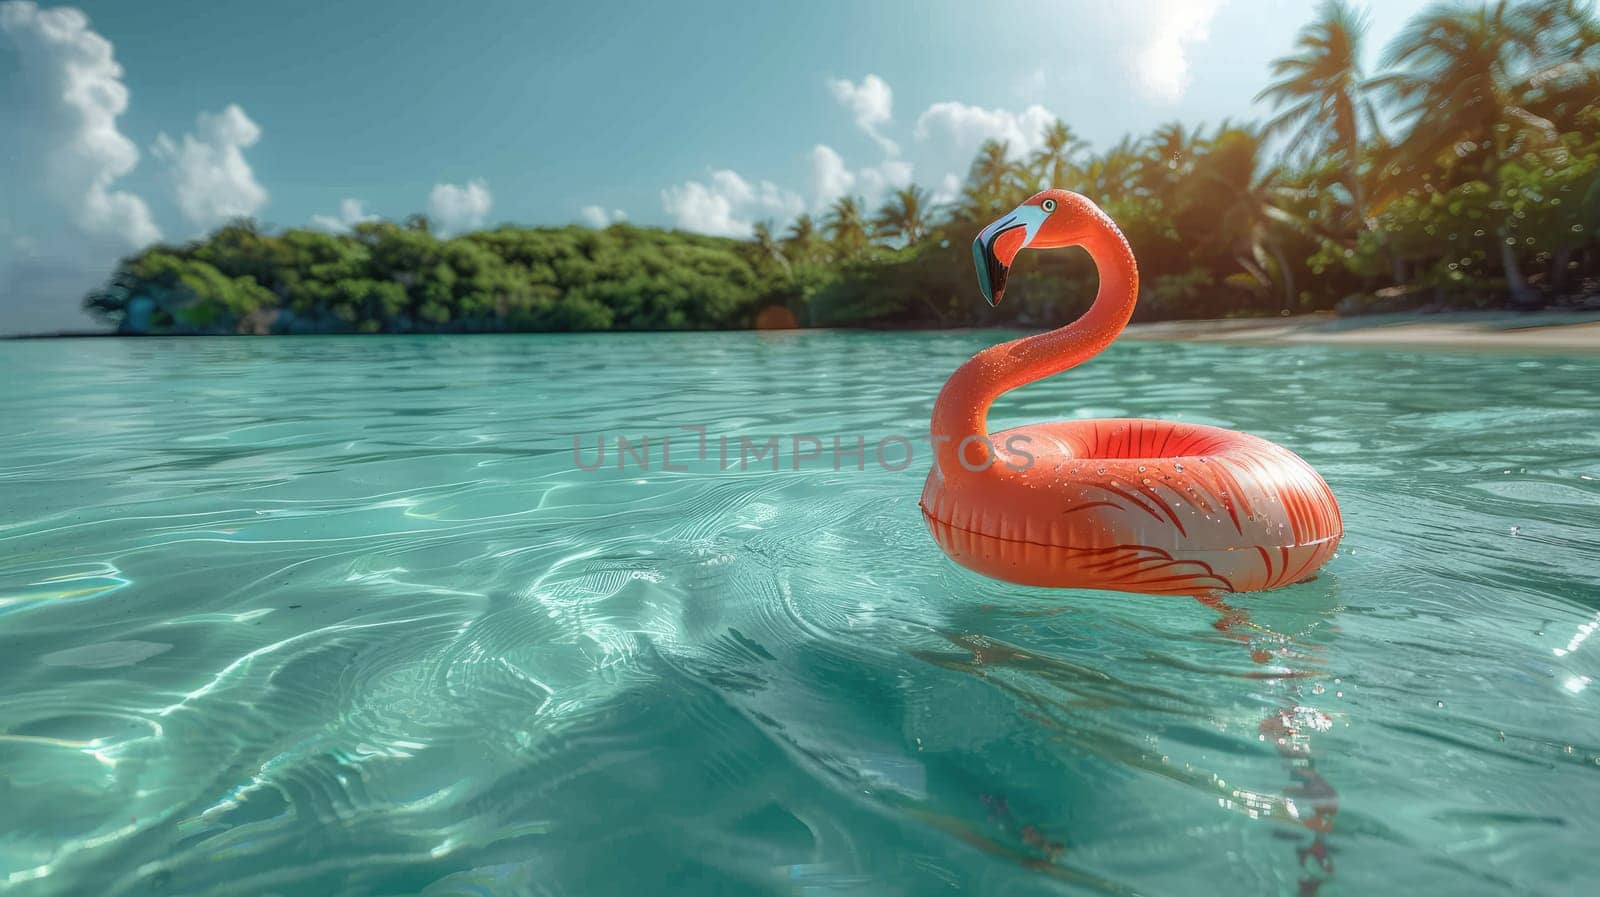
{"points": [[348, 616]]}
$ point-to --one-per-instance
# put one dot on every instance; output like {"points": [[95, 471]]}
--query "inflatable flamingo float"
{"points": [[1127, 505]]}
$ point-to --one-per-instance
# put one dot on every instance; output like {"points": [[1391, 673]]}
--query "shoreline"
{"points": [[1547, 330]]}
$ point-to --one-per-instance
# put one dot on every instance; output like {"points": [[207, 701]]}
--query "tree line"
{"points": [[1464, 173]]}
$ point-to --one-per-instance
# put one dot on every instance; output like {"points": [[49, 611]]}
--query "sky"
{"points": [[123, 123]]}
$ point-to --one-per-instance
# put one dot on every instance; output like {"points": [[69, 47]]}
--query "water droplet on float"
{"points": [[1178, 468], [1516, 530], [1439, 704]]}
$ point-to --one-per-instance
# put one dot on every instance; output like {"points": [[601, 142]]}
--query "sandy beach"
{"points": [[1557, 331]]}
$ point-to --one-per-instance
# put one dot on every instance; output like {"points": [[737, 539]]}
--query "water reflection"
{"points": [[1081, 705], [1310, 800]]}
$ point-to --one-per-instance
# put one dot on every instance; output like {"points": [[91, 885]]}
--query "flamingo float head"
{"points": [[1048, 219]]}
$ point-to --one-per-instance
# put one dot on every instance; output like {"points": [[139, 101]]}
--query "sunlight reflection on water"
{"points": [[345, 616]]}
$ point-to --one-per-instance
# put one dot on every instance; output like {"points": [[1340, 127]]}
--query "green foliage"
{"points": [[1489, 193], [183, 294], [388, 278]]}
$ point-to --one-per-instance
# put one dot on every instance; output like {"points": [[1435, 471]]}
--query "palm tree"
{"points": [[1326, 93], [1237, 206], [767, 246], [994, 182], [1569, 80], [1464, 71], [1168, 158], [1114, 174], [1054, 164], [846, 226], [802, 238], [1464, 74], [904, 216]]}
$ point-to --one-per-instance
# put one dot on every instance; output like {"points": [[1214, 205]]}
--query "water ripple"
{"points": [[347, 617]]}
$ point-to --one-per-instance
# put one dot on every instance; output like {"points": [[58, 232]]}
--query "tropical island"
{"points": [[1465, 174]]}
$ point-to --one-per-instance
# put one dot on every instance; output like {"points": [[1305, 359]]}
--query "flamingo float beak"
{"points": [[997, 246]]}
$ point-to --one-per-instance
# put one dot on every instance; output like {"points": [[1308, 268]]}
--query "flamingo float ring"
{"points": [[1129, 505]]}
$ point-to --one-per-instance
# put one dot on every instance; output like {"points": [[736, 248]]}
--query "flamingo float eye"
{"points": [[1048, 205]]}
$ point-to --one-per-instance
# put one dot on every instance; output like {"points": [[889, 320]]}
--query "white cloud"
{"points": [[877, 181], [72, 93], [1164, 33], [597, 217], [831, 178], [948, 135], [211, 180], [63, 154], [729, 205], [351, 213], [454, 209], [963, 128], [948, 191], [872, 104]]}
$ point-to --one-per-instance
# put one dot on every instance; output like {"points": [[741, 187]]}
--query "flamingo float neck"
{"points": [[961, 413]]}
